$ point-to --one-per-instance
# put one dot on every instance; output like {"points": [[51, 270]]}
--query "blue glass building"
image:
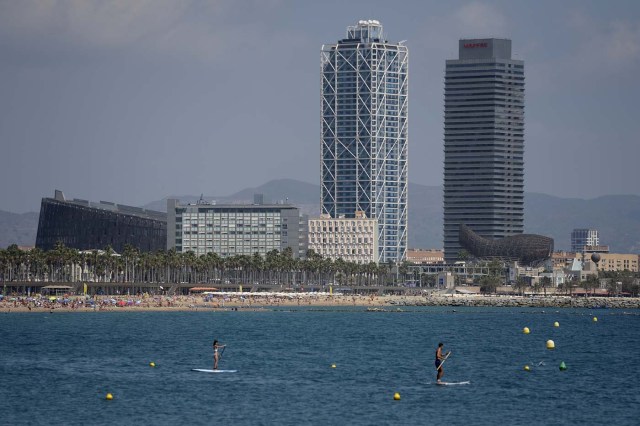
{"points": [[364, 86]]}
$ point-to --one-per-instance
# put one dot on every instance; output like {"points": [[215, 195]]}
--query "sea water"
{"points": [[57, 368]]}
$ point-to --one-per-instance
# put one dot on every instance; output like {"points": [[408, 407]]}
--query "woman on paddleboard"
{"points": [[439, 360], [216, 355]]}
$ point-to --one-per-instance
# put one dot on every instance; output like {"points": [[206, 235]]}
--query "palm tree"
{"points": [[591, 283], [520, 285], [545, 282]]}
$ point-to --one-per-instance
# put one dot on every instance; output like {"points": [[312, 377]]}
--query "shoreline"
{"points": [[265, 302]]}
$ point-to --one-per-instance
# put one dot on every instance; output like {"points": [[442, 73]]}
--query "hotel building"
{"points": [[483, 143], [234, 229], [364, 133], [349, 239]]}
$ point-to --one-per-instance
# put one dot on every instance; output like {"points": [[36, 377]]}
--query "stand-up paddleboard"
{"points": [[452, 383], [202, 370]]}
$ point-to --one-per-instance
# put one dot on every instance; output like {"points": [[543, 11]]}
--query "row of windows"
{"points": [[216, 215], [334, 239], [333, 250]]}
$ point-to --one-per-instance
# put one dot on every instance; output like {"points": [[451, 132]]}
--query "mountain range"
{"points": [[616, 217]]}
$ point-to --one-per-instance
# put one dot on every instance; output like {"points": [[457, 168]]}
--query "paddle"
{"points": [[222, 352], [443, 360]]}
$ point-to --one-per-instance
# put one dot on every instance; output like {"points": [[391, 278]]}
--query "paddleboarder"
{"points": [[440, 358], [216, 355]]}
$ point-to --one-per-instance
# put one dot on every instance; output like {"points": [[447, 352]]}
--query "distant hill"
{"points": [[617, 217], [286, 190], [18, 229]]}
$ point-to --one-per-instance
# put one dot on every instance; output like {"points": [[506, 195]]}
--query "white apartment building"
{"points": [[349, 239]]}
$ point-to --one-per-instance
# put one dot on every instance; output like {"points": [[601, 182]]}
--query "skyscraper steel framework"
{"points": [[364, 133]]}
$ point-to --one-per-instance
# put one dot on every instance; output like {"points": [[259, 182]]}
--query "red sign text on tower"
{"points": [[474, 45]]}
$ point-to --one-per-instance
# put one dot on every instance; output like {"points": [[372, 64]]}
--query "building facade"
{"points": [[616, 262], [352, 239], [483, 143], [85, 225], [364, 133], [425, 256], [608, 261], [583, 237], [234, 229]]}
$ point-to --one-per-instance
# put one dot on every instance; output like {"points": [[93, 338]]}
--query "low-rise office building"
{"points": [[583, 237], [350, 239], [234, 229], [87, 225]]}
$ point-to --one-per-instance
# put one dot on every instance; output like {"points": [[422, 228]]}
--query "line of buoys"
{"points": [[396, 396], [526, 330]]}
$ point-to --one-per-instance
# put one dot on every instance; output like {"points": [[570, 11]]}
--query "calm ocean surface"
{"points": [[57, 368]]}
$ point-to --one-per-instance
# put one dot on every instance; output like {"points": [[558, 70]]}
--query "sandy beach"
{"points": [[262, 301]]}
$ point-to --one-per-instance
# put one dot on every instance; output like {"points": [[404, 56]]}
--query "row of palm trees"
{"points": [[64, 264]]}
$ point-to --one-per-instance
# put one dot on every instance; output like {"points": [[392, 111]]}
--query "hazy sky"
{"points": [[133, 101]]}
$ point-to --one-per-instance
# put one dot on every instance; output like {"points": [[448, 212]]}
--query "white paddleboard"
{"points": [[202, 370], [452, 383]]}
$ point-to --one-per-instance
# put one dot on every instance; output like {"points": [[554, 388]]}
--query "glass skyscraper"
{"points": [[364, 133], [483, 143]]}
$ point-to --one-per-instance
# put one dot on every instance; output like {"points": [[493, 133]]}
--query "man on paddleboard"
{"points": [[439, 360]]}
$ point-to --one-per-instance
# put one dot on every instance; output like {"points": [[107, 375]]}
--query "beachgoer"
{"points": [[216, 355], [439, 359]]}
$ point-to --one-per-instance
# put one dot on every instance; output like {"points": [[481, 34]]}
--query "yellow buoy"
{"points": [[109, 397], [333, 366], [595, 319], [526, 368], [526, 330], [396, 396], [556, 324], [550, 344], [152, 364]]}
